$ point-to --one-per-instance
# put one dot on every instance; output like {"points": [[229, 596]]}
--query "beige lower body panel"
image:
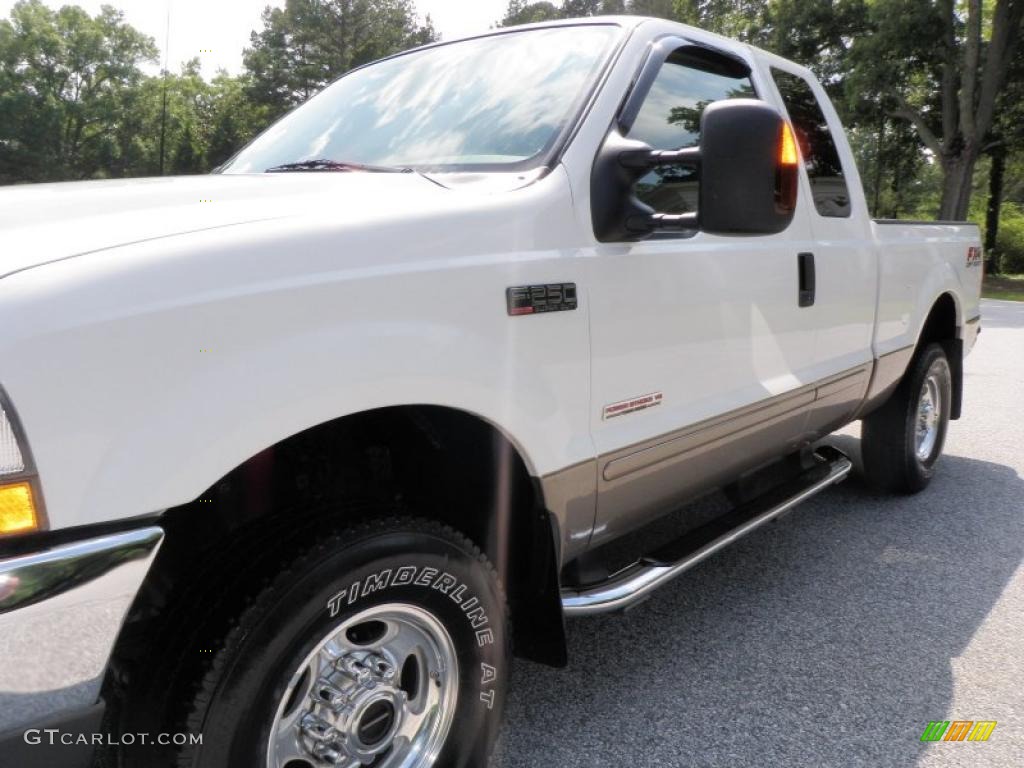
{"points": [[969, 333], [571, 495], [888, 372], [644, 481]]}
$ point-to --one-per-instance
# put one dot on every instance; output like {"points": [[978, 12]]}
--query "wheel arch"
{"points": [[435, 462], [943, 326]]}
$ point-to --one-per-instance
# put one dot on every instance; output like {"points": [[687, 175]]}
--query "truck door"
{"points": [[703, 360], [844, 259]]}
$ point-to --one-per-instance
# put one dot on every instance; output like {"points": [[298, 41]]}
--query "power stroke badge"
{"points": [[633, 405], [534, 299]]}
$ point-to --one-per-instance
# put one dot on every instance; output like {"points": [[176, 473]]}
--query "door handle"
{"points": [[805, 265]]}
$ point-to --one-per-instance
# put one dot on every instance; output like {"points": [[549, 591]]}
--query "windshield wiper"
{"points": [[334, 165]]}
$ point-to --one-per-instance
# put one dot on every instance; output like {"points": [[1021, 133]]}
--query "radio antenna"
{"points": [[163, 99]]}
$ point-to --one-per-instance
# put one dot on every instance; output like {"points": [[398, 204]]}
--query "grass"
{"points": [[1005, 287]]}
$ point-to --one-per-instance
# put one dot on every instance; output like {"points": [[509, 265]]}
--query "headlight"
{"points": [[19, 512], [11, 460]]}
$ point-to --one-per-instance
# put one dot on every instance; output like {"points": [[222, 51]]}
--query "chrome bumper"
{"points": [[60, 613]]}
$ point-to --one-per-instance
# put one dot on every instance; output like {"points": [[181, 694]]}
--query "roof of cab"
{"points": [[628, 23]]}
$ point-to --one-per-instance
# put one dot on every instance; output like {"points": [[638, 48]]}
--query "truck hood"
{"points": [[43, 223]]}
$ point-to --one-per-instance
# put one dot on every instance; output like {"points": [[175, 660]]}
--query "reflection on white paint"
{"points": [[769, 360]]}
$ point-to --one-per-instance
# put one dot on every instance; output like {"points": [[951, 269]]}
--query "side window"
{"points": [[670, 119], [825, 170]]}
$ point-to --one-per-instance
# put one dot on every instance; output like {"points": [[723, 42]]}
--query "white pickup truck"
{"points": [[286, 450]]}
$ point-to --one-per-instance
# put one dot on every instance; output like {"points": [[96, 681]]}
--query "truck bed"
{"points": [[913, 259]]}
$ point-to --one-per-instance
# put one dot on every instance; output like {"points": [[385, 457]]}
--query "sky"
{"points": [[217, 30]]}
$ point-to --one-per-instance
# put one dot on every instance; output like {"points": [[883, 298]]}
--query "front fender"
{"points": [[144, 374]]}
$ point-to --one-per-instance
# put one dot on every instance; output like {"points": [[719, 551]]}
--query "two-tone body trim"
{"points": [[631, 486], [888, 371], [570, 494]]}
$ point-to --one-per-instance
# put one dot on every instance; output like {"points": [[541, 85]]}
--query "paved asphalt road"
{"points": [[830, 638]]}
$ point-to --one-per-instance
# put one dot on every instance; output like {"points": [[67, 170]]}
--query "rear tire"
{"points": [[902, 441]]}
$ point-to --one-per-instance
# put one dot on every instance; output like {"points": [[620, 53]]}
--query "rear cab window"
{"points": [[817, 145]]}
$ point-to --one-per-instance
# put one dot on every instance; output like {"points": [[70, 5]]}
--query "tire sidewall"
{"points": [[413, 567], [932, 361]]}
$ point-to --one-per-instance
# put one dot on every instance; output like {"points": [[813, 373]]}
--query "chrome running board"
{"points": [[637, 581]]}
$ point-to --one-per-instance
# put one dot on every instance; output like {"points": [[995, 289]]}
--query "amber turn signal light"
{"points": [[787, 147], [17, 509], [787, 171]]}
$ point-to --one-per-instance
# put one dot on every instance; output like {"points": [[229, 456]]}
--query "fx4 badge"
{"points": [[973, 256], [533, 299]]}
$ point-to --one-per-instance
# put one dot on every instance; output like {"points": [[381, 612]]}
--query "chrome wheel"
{"points": [[929, 417], [380, 690]]}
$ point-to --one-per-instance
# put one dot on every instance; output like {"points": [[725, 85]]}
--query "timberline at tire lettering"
{"points": [[428, 577]]}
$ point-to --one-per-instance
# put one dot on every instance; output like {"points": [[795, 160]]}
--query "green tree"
{"points": [[206, 122], [234, 119], [522, 12], [665, 9], [308, 43], [65, 85], [525, 12], [1006, 142], [577, 9], [818, 35], [944, 77], [185, 124]]}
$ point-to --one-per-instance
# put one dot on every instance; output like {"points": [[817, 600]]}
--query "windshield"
{"points": [[492, 103]]}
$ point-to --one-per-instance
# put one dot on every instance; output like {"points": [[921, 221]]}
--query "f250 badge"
{"points": [[533, 299]]}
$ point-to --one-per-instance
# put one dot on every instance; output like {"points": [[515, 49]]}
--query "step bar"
{"points": [[636, 582]]}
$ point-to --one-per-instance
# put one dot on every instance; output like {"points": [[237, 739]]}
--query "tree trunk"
{"points": [[995, 202], [894, 212], [878, 166], [967, 118], [958, 174]]}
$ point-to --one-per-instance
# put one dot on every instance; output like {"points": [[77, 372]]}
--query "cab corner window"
{"points": [[670, 119], [818, 148]]}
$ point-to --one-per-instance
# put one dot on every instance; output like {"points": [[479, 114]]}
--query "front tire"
{"points": [[902, 441], [384, 645]]}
